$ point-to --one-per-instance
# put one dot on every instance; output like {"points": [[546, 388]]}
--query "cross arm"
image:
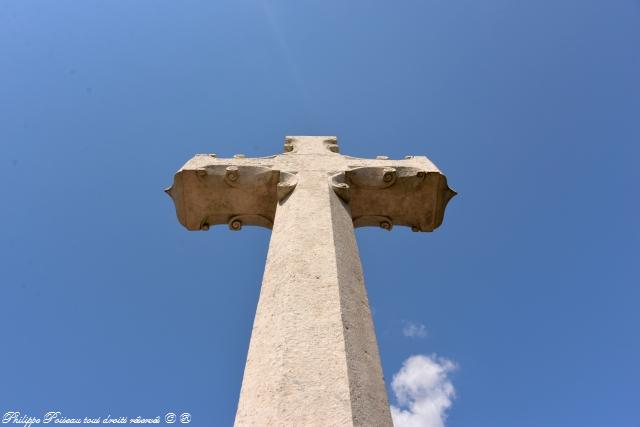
{"points": [[411, 192], [208, 191]]}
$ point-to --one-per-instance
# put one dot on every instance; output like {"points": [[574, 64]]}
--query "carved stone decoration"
{"points": [[211, 195], [236, 222], [313, 357], [286, 185], [381, 221], [386, 225], [332, 144], [340, 187], [408, 195]]}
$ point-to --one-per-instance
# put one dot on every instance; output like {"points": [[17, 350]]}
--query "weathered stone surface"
{"points": [[313, 358]]}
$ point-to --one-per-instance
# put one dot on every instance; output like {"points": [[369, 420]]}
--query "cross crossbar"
{"points": [[382, 192]]}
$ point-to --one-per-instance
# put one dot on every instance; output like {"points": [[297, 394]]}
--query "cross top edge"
{"points": [[305, 144]]}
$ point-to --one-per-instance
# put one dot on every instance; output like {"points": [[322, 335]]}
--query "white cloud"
{"points": [[414, 330], [423, 391]]}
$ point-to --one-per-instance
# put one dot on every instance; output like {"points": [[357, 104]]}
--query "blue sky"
{"points": [[528, 293]]}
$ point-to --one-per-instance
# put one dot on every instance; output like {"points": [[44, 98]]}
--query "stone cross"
{"points": [[313, 358]]}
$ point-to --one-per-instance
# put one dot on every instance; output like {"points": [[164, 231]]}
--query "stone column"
{"points": [[313, 358]]}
